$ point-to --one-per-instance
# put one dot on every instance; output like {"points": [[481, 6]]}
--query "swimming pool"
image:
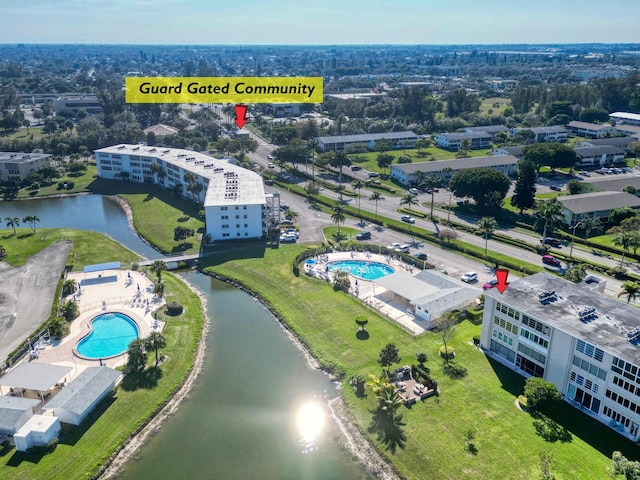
{"points": [[110, 335], [362, 269]]}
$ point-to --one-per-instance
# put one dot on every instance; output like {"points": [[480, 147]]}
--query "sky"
{"points": [[300, 22]]}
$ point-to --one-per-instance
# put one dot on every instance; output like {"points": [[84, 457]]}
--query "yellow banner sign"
{"points": [[224, 89]]}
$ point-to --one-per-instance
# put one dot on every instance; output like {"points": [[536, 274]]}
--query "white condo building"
{"points": [[584, 342], [235, 203]]}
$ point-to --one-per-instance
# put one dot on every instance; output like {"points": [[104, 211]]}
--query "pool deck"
{"points": [[367, 291], [124, 291]]}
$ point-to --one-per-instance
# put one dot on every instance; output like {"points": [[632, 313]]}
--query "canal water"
{"points": [[258, 410]]}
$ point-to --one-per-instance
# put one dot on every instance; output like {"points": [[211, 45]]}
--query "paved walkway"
{"points": [[128, 292]]}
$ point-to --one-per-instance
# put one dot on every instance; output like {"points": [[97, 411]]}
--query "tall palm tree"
{"points": [[338, 216], [357, 185], [155, 341], [31, 220], [189, 178], [631, 290], [340, 160], [487, 225], [13, 223], [548, 213], [408, 200], [429, 182], [157, 267], [622, 238], [312, 145], [375, 197], [589, 224]]}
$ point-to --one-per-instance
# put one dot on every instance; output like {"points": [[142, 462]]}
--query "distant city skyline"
{"points": [[291, 22]]}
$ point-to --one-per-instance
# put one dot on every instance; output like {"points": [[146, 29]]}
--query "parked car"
{"points": [[268, 181], [393, 246], [291, 232], [408, 219], [287, 239], [363, 235], [469, 277], [490, 284], [355, 168], [270, 157], [421, 256], [271, 165], [286, 221], [555, 188], [413, 191], [551, 260], [403, 248], [554, 242], [373, 174]]}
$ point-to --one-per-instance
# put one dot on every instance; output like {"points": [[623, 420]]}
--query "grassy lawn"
{"points": [[496, 104], [156, 213], [80, 184], [483, 400], [368, 160], [83, 449], [22, 134], [88, 247]]}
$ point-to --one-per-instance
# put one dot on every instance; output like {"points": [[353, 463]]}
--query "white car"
{"points": [[408, 219], [403, 248], [469, 277], [393, 246], [271, 165], [414, 191]]}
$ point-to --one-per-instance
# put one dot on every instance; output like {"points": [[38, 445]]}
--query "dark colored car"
{"points": [[554, 242], [421, 256], [551, 260], [364, 235]]}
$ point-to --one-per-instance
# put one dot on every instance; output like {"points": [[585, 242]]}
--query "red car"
{"points": [[490, 284], [551, 260]]}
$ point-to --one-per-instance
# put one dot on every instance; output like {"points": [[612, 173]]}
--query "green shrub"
{"points": [[174, 308], [523, 401], [447, 354], [476, 340]]}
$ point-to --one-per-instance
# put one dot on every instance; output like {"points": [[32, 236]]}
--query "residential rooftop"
{"points": [[229, 184], [598, 150], [607, 330], [13, 157], [598, 201], [367, 137], [457, 164]]}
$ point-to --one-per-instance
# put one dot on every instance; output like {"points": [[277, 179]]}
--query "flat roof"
{"points": [[598, 201], [83, 390], [367, 137], [220, 173], [456, 164], [488, 129], [546, 129], [13, 157], [607, 331], [463, 135], [625, 115], [622, 142], [34, 376], [606, 184]]}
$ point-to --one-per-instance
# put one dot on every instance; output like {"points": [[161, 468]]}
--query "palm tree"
{"points": [[375, 196], [487, 225], [549, 213], [622, 239], [429, 182], [189, 178], [357, 185], [13, 223], [589, 224], [340, 160], [69, 286], [155, 341], [631, 290], [158, 289], [312, 144], [136, 356], [157, 267], [408, 200], [338, 216], [31, 220]]}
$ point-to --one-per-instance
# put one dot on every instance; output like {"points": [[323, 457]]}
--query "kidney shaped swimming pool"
{"points": [[362, 269], [110, 336]]}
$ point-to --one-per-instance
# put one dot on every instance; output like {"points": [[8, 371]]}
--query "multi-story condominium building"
{"points": [[584, 342], [590, 130], [369, 140], [21, 165], [407, 173], [625, 118], [88, 102], [455, 141], [600, 155], [598, 205], [235, 203]]}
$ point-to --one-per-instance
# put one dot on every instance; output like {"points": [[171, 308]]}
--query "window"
{"points": [[528, 366], [589, 350]]}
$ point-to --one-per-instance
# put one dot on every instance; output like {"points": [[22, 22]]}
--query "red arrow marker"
{"points": [[241, 115], [501, 275]]}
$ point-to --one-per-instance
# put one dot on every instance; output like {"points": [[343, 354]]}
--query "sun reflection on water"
{"points": [[310, 420]]}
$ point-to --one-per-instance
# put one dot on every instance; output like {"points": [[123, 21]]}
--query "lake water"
{"points": [[258, 410]]}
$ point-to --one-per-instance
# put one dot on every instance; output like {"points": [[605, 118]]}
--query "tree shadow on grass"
{"points": [[362, 335], [146, 379], [389, 430], [549, 430], [454, 371]]}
